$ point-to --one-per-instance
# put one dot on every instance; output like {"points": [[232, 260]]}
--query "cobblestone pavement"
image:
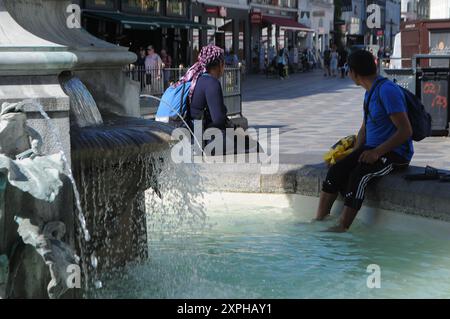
{"points": [[313, 112]]}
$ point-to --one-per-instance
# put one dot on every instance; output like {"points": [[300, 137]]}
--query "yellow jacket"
{"points": [[340, 150]]}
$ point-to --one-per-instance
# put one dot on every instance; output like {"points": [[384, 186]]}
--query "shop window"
{"points": [[228, 27], [176, 8], [141, 6], [100, 4], [223, 37]]}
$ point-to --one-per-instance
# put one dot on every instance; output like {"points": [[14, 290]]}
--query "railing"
{"points": [[156, 81]]}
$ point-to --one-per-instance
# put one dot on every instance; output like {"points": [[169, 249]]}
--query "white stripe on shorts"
{"points": [[366, 178]]}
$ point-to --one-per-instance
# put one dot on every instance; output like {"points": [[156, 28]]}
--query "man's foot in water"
{"points": [[316, 219], [336, 229]]}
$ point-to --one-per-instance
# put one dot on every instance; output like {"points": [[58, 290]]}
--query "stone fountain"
{"points": [[93, 111]]}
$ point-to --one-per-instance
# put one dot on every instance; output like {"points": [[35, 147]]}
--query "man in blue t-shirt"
{"points": [[384, 142]]}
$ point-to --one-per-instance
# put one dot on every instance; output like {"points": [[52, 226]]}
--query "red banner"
{"points": [[212, 10], [256, 17]]}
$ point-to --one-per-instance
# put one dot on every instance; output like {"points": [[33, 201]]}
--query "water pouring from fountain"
{"points": [[89, 115]]}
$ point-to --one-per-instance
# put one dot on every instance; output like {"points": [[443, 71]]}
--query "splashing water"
{"points": [[173, 209], [112, 191], [180, 207]]}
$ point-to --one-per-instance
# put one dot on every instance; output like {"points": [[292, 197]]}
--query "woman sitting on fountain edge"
{"points": [[205, 94]]}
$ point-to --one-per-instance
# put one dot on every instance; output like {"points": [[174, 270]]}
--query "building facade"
{"points": [[439, 9], [231, 30], [322, 22], [275, 25], [354, 17], [392, 22], [165, 24], [415, 10], [355, 30], [389, 24], [253, 30], [305, 18]]}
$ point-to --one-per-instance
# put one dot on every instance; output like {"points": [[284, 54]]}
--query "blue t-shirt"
{"points": [[386, 100]]}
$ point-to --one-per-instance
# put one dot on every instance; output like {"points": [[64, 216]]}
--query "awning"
{"points": [[287, 24], [145, 22], [229, 27]]}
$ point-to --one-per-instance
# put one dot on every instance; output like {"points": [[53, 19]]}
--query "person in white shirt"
{"points": [[153, 65]]}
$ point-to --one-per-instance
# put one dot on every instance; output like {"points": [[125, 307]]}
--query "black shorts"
{"points": [[350, 177]]}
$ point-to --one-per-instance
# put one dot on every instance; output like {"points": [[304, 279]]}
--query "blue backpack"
{"points": [[174, 103], [419, 118]]}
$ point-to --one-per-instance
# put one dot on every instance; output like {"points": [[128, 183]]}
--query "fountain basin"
{"points": [[120, 138], [113, 164], [265, 246]]}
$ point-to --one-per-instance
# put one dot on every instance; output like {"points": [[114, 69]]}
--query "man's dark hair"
{"points": [[362, 62]]}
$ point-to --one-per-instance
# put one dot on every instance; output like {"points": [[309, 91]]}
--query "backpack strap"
{"points": [[377, 84]]}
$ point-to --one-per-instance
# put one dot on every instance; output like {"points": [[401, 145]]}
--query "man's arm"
{"points": [[361, 138], [404, 132]]}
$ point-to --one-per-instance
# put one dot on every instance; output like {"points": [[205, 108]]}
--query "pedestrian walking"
{"points": [[153, 64], [342, 62], [334, 60], [166, 65], [139, 68], [282, 61], [140, 62], [327, 61], [231, 59]]}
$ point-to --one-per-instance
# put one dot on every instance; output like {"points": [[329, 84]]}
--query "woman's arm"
{"points": [[216, 106]]}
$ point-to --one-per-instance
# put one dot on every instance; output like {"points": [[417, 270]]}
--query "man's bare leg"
{"points": [[325, 203], [346, 220]]}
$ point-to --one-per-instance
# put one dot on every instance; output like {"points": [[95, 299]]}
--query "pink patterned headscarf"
{"points": [[208, 54]]}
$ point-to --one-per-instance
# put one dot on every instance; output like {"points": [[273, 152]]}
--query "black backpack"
{"points": [[419, 118]]}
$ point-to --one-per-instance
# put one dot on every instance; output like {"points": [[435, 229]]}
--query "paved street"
{"points": [[313, 112]]}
